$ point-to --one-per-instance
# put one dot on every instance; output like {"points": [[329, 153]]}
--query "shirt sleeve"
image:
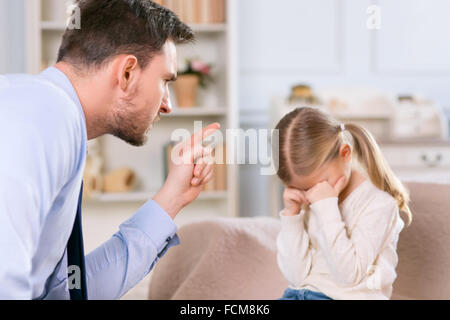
{"points": [[19, 233], [294, 255], [350, 256], [120, 263]]}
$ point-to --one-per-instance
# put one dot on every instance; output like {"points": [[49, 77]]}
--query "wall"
{"points": [[12, 33], [327, 43]]}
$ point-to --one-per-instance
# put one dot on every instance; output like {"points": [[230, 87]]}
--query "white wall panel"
{"points": [[414, 37], [287, 36]]}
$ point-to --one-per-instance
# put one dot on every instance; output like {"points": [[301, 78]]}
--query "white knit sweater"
{"points": [[347, 250]]}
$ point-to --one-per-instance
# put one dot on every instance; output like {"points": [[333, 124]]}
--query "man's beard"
{"points": [[127, 125]]}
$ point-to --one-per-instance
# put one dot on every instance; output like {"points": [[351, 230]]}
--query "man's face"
{"points": [[134, 116]]}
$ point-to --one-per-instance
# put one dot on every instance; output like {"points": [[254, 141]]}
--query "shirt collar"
{"points": [[59, 79]]}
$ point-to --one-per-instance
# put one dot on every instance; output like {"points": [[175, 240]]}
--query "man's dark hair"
{"points": [[113, 27]]}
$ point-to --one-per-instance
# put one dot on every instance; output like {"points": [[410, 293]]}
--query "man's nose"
{"points": [[166, 106]]}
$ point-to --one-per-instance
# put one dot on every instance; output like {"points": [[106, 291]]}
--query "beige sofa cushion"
{"points": [[423, 271], [226, 258]]}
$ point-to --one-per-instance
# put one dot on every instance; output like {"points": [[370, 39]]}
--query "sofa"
{"points": [[235, 258]]}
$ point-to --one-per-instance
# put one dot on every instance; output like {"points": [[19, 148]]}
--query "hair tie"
{"points": [[342, 127]]}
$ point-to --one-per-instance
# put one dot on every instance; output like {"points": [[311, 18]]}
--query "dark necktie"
{"points": [[75, 254]]}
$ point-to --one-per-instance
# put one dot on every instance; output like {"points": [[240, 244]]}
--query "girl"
{"points": [[340, 223]]}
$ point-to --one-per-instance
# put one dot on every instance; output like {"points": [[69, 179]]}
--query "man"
{"points": [[111, 77]]}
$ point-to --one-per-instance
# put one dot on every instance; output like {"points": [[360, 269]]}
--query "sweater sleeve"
{"points": [[351, 256], [294, 254]]}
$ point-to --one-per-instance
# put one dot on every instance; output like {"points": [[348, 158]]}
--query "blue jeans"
{"points": [[303, 294]]}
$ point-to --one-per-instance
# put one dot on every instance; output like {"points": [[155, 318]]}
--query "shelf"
{"points": [[209, 28], [196, 111], [53, 26], [356, 116], [201, 28], [145, 196]]}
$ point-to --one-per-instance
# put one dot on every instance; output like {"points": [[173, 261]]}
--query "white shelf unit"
{"points": [[144, 196], [215, 44], [48, 25], [196, 111]]}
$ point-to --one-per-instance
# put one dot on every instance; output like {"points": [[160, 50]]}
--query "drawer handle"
{"points": [[430, 162]]}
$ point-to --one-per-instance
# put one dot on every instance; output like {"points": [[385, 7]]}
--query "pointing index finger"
{"points": [[199, 136], [193, 147]]}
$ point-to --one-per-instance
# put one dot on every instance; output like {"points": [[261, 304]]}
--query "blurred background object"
{"points": [[119, 180], [195, 73], [302, 94], [93, 172], [418, 117]]}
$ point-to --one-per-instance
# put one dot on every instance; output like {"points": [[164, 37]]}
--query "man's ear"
{"points": [[345, 152], [127, 72]]}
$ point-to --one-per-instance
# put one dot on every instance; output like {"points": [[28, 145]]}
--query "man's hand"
{"points": [[324, 190], [190, 169], [293, 201]]}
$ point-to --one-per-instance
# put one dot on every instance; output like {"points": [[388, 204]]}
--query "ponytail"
{"points": [[378, 170]]}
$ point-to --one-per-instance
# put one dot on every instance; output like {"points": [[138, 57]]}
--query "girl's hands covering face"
{"points": [[293, 201], [324, 190]]}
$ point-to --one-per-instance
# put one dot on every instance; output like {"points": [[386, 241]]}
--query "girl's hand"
{"points": [[324, 190], [293, 201]]}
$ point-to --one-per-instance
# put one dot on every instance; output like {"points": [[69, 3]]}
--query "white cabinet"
{"points": [[427, 161]]}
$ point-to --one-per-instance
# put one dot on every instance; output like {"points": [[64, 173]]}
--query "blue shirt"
{"points": [[43, 147]]}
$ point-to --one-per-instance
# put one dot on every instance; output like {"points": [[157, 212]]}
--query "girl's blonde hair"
{"points": [[309, 138]]}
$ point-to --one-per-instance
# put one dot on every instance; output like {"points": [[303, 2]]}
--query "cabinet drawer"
{"points": [[417, 157]]}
